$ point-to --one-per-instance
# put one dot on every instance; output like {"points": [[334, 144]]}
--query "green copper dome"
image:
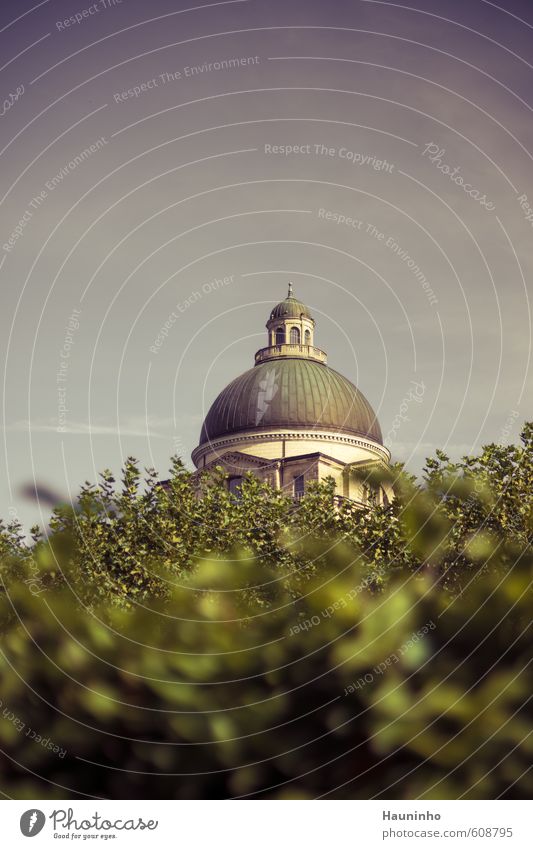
{"points": [[294, 392], [290, 308]]}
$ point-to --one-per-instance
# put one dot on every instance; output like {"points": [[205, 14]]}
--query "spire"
{"points": [[290, 293]]}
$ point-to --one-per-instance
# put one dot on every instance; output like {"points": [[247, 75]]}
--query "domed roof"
{"points": [[294, 392], [290, 308]]}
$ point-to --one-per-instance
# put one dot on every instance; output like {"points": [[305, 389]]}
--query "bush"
{"points": [[156, 646], [348, 693]]}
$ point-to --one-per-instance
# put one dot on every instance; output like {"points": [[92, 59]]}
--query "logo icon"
{"points": [[32, 822]]}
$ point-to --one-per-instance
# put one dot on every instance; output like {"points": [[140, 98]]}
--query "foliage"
{"points": [[348, 693], [175, 647], [134, 542]]}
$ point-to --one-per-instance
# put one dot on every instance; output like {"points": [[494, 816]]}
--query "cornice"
{"points": [[225, 444]]}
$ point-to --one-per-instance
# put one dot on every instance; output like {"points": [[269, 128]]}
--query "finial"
{"points": [[290, 295]]}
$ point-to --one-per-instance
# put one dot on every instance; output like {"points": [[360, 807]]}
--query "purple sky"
{"points": [[154, 137]]}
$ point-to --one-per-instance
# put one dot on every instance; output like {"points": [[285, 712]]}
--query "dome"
{"points": [[295, 392], [290, 308]]}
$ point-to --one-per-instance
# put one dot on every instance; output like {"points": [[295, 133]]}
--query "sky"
{"points": [[167, 168]]}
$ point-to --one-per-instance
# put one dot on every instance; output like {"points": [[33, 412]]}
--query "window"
{"points": [[295, 336], [280, 336], [307, 337], [235, 486], [299, 486], [370, 496]]}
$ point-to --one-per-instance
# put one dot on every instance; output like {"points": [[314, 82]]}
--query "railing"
{"points": [[288, 350]]}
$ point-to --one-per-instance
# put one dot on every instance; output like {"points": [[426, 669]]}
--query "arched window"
{"points": [[295, 336], [307, 337], [280, 336], [299, 486]]}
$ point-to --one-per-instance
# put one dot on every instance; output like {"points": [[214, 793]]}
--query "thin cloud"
{"points": [[134, 428]]}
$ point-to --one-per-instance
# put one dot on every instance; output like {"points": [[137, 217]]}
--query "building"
{"points": [[291, 419]]}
